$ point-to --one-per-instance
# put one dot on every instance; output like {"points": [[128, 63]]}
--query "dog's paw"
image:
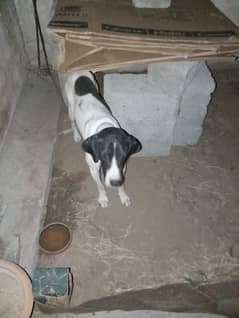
{"points": [[125, 199], [103, 201]]}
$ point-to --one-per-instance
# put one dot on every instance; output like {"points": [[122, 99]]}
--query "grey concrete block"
{"points": [[140, 108], [193, 103], [164, 107]]}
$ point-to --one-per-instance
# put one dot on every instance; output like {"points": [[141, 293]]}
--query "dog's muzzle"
{"points": [[116, 183]]}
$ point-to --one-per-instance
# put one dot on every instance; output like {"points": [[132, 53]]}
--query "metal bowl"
{"points": [[55, 238]]}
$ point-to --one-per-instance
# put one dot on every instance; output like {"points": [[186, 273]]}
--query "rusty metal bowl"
{"points": [[55, 238]]}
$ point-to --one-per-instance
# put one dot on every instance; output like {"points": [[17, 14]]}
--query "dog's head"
{"points": [[112, 147]]}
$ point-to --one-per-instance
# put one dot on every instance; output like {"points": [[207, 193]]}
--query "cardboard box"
{"points": [[106, 34]]}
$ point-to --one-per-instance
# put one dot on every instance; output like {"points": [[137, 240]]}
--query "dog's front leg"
{"points": [[124, 198], [102, 199], [94, 171], [76, 135]]}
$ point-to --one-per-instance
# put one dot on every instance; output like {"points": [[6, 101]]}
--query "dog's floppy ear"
{"points": [[134, 145], [90, 145]]}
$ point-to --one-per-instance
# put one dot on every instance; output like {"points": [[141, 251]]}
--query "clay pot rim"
{"points": [[25, 281], [42, 249]]}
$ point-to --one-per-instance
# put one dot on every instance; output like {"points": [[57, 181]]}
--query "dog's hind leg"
{"points": [[124, 198], [71, 112], [94, 171]]}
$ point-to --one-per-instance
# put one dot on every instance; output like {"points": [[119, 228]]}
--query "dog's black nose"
{"points": [[116, 183]]}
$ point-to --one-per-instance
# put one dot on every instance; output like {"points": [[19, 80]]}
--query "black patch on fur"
{"points": [[101, 147], [84, 86]]}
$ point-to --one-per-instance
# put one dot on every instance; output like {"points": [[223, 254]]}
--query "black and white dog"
{"points": [[106, 144]]}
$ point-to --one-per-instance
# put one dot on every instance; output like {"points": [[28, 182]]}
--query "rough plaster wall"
{"points": [[26, 17], [12, 61]]}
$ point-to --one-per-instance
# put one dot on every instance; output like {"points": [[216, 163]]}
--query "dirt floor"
{"points": [[182, 225]]}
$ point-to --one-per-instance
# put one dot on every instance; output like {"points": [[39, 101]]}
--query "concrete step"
{"points": [[132, 314], [25, 169]]}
